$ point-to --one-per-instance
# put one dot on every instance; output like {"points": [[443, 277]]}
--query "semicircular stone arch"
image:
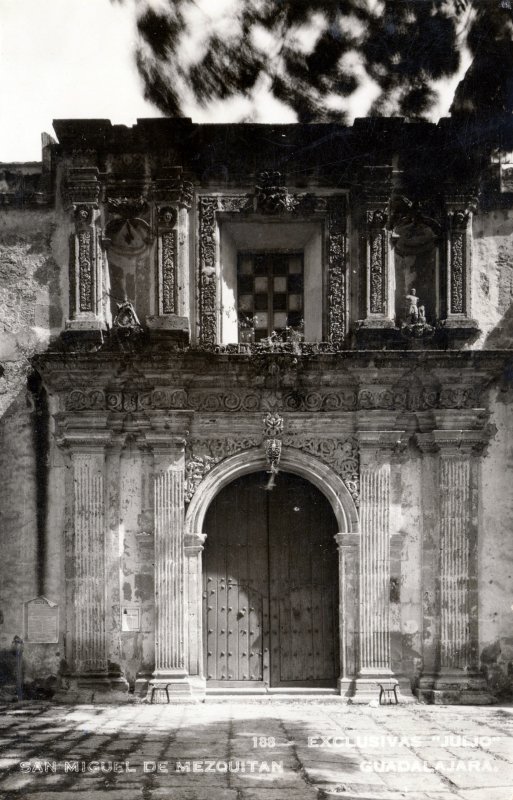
{"points": [[291, 460]]}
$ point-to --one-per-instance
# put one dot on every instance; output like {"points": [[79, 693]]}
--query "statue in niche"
{"points": [[412, 313], [415, 324]]}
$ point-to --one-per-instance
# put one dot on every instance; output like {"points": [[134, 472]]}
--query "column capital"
{"points": [[166, 443], [85, 439], [454, 441], [347, 540], [193, 543], [391, 442]]}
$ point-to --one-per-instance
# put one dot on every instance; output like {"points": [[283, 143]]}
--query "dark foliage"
{"points": [[404, 46]]}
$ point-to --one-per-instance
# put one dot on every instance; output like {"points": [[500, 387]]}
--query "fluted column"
{"points": [[87, 564], [376, 453], [456, 676], [347, 544], [170, 640]]}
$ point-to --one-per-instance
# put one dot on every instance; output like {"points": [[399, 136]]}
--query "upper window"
{"points": [[270, 293]]}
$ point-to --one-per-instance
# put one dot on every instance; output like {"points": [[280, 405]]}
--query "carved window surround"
{"points": [[328, 209]]}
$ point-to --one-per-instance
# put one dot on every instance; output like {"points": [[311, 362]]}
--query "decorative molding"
{"points": [[81, 186], [171, 187]]}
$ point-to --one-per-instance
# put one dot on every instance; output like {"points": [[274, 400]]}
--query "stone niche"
{"points": [[416, 266]]}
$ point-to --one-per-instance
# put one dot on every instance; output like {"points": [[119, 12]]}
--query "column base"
{"points": [[92, 688], [455, 688], [170, 687]]}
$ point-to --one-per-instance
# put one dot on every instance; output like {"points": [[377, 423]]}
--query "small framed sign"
{"points": [[130, 618], [41, 621]]}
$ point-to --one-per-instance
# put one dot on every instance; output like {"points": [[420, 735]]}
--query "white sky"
{"points": [[74, 58]]}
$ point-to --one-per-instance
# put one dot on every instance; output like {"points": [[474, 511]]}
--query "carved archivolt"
{"points": [[340, 454]]}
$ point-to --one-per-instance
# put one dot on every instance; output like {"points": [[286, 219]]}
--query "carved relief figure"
{"points": [[412, 308]]}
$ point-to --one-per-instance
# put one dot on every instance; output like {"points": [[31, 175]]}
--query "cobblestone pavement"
{"points": [[256, 751]]}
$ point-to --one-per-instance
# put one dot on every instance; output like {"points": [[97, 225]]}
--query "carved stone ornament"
{"points": [[272, 196], [126, 317], [341, 455], [167, 216], [195, 470], [128, 207], [273, 425], [203, 454]]}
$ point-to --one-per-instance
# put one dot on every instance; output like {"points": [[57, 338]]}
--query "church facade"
{"points": [[257, 428]]}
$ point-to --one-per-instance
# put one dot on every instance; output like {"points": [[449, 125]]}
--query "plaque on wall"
{"points": [[130, 618], [41, 621]]}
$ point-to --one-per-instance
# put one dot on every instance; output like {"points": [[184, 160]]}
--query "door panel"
{"points": [[270, 585], [304, 585], [235, 583]]}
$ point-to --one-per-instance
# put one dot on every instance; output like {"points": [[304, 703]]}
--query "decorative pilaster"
{"points": [[458, 324], [347, 544], [376, 450], [173, 196], [86, 267], [377, 294], [170, 640]]}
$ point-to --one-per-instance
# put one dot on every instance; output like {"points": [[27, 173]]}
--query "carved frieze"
{"points": [[250, 400]]}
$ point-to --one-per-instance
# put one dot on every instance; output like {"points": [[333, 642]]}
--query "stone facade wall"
{"points": [[492, 284], [32, 263], [495, 557]]}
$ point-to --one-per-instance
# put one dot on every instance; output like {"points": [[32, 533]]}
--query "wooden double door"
{"points": [[270, 585]]}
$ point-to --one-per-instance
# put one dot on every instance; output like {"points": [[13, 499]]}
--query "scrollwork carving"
{"points": [[336, 268], [340, 454], [168, 255]]}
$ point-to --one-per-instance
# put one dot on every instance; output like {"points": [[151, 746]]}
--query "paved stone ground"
{"points": [[384, 753]]}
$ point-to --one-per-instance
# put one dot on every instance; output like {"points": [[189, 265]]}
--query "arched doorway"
{"points": [[270, 585]]}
